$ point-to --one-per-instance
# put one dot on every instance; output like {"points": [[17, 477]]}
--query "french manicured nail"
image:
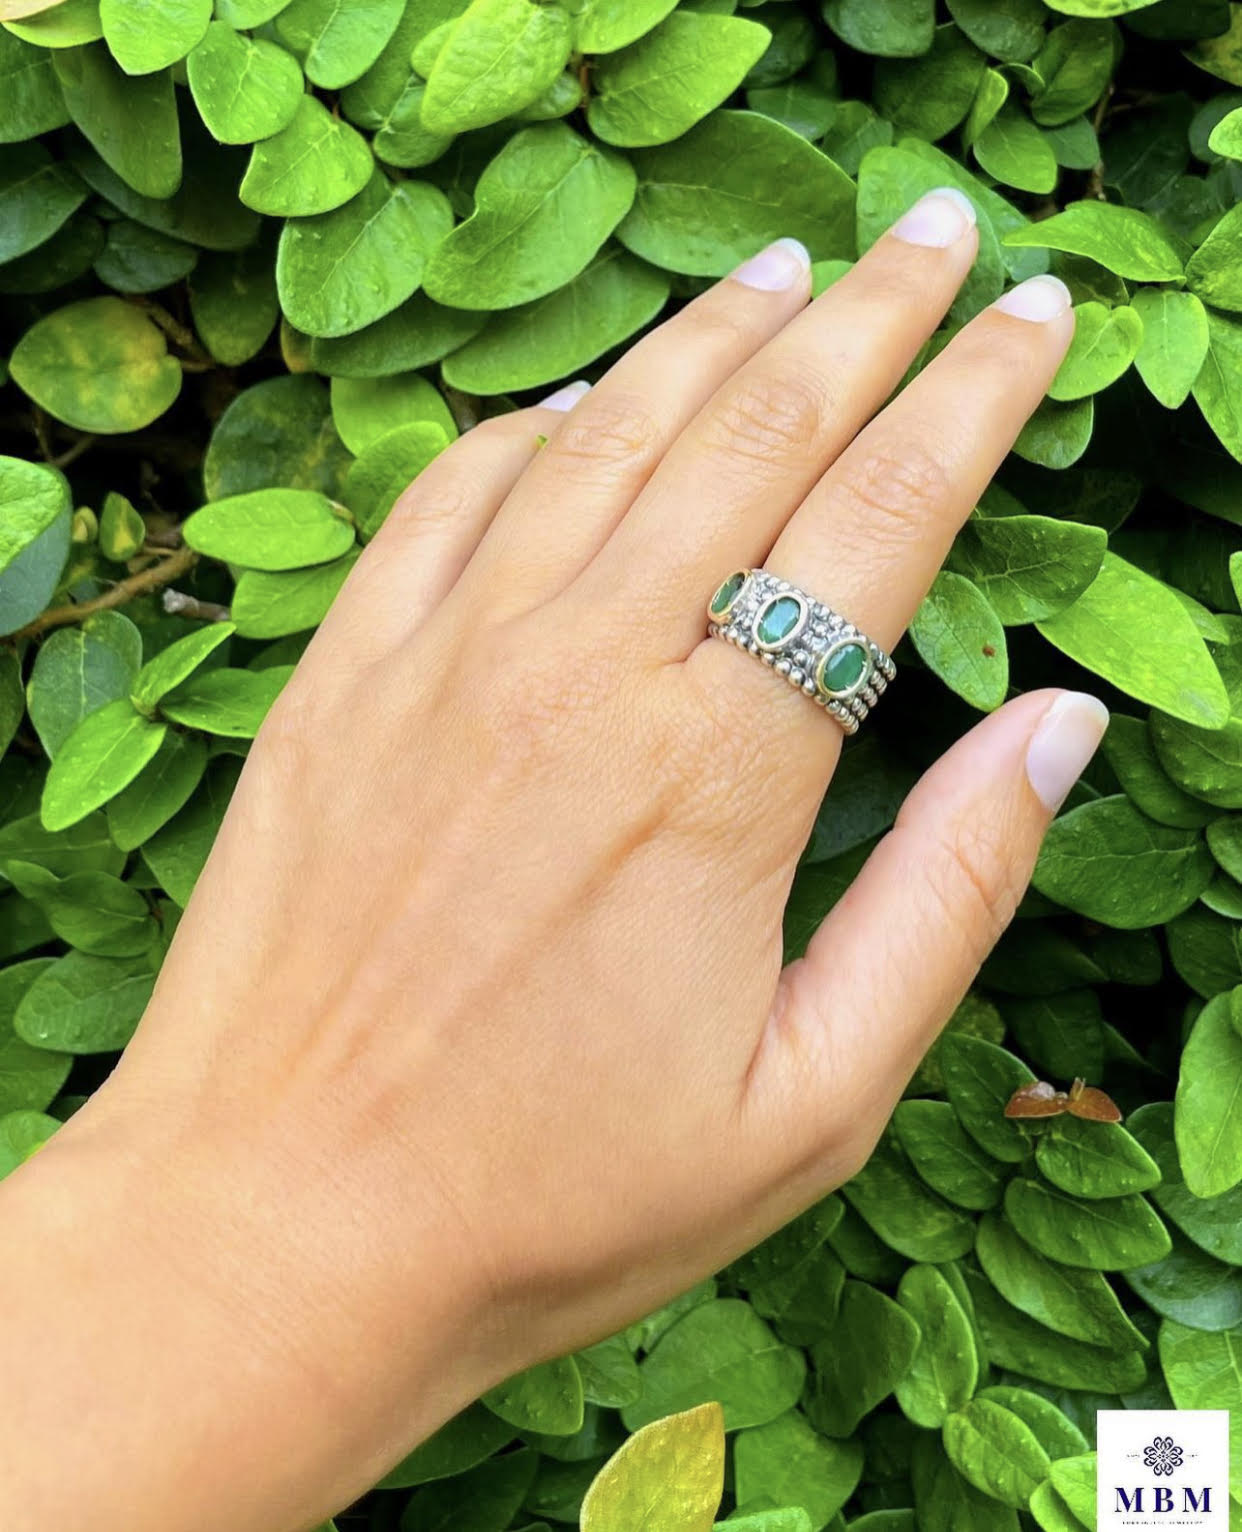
{"points": [[940, 218], [1063, 743], [565, 398], [776, 268], [1038, 299]]}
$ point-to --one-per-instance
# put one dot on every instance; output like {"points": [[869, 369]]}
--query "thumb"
{"points": [[886, 969]]}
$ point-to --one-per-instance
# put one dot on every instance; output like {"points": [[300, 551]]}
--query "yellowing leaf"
{"points": [[667, 1478]]}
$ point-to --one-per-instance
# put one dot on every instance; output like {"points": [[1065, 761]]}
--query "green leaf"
{"points": [[719, 1350], [386, 468], [122, 531], [731, 185], [1214, 1223], [538, 343], [336, 43], [146, 35], [85, 1004], [1106, 1234], [274, 605], [1190, 1287], [99, 364], [1131, 629], [21, 1133], [77, 670], [92, 911], [176, 853], [365, 409], [929, 95], [542, 209], [960, 639], [861, 1360], [1017, 1342], [945, 1368], [132, 123], [1105, 343], [667, 1477], [1107, 861], [1174, 344], [979, 1079], [787, 1463], [37, 196], [63, 25], [270, 529], [1213, 270], [162, 787], [1013, 149], [1207, 1113], [1218, 386], [606, 25], [245, 88], [175, 663], [461, 1443], [1122, 239], [1094, 1159], [1070, 1301], [996, 1451], [499, 57], [1055, 1432], [85, 847], [1028, 567], [1072, 69], [609, 1373], [30, 1078], [276, 434], [105, 752], [1005, 29], [35, 508], [342, 270], [31, 101], [1204, 1372], [660, 86], [1097, 8], [416, 334], [233, 301], [488, 1496], [891, 28], [546, 1397], [903, 1211], [945, 1155], [225, 701], [1056, 435], [1226, 136], [945, 1501], [313, 165]]}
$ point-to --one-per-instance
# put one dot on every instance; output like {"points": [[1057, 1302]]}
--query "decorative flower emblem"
{"points": [[1163, 1456]]}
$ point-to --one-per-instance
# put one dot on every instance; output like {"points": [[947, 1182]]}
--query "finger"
{"points": [[428, 537], [735, 475], [854, 1015], [874, 530], [578, 490]]}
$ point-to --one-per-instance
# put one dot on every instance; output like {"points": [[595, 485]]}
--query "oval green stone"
{"points": [[843, 668], [778, 619], [725, 593]]}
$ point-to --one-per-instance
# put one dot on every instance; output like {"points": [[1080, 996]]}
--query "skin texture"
{"points": [[474, 1042]]}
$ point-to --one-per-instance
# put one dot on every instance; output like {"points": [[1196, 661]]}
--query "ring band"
{"points": [[802, 639]]}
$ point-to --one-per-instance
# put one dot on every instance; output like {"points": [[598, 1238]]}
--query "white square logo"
{"points": [[1163, 1468]]}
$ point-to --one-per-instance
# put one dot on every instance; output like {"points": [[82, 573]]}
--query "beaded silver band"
{"points": [[802, 639]]}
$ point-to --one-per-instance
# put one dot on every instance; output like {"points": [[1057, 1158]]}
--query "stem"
{"points": [[184, 605], [162, 573]]}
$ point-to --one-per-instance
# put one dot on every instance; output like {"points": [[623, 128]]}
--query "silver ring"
{"points": [[827, 658]]}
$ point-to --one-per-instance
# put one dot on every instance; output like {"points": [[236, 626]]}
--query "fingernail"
{"points": [[1038, 298], [776, 268], [939, 218], [565, 398], [1064, 742]]}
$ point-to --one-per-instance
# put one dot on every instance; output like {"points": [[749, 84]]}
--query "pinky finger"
{"points": [[428, 537]]}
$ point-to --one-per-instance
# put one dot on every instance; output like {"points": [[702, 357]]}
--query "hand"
{"points": [[474, 1042]]}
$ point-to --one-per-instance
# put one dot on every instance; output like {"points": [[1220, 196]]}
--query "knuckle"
{"points": [[617, 437], [897, 491], [767, 417], [717, 318]]}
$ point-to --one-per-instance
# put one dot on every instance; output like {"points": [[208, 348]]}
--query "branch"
{"points": [[148, 579]]}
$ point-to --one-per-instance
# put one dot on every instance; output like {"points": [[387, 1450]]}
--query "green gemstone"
{"points": [[778, 619], [723, 599], [843, 669]]}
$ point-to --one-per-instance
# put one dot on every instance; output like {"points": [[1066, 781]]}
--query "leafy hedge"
{"points": [[259, 269]]}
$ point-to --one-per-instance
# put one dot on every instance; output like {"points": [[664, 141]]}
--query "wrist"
{"points": [[184, 1296]]}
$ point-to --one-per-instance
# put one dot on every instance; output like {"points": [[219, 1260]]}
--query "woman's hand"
{"points": [[474, 1041]]}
